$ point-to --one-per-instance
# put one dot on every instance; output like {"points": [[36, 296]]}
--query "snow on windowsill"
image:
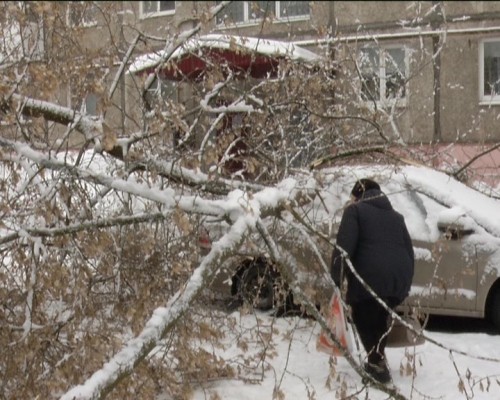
{"points": [[485, 103], [156, 14], [253, 22]]}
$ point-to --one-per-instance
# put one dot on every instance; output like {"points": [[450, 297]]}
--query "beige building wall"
{"points": [[462, 116]]}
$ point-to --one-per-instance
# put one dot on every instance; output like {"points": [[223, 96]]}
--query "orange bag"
{"points": [[338, 324]]}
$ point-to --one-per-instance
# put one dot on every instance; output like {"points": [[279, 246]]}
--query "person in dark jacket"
{"points": [[377, 243]]}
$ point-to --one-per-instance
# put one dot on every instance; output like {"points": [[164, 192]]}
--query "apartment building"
{"points": [[436, 63], [443, 54]]}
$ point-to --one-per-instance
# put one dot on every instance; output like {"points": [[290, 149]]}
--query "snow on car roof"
{"points": [[450, 198]]}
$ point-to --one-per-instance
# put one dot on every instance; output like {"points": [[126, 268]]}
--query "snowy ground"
{"points": [[298, 371]]}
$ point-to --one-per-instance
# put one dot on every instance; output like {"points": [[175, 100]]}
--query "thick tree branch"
{"points": [[102, 382], [347, 154], [84, 226], [195, 179]]}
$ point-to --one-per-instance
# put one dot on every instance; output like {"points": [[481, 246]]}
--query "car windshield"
{"points": [[420, 213]]}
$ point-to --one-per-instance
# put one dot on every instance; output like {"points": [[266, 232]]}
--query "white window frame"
{"points": [[383, 101], [86, 24], [163, 90], [157, 13], [485, 98], [248, 20], [288, 18]]}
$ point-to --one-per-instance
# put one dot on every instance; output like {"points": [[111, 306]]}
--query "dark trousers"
{"points": [[372, 322]]}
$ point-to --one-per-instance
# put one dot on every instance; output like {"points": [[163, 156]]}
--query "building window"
{"points": [[383, 74], [161, 90], [290, 9], [86, 104], [250, 11], [154, 8], [489, 71], [82, 13], [90, 105]]}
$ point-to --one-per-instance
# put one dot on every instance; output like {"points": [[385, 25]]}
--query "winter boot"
{"points": [[380, 372]]}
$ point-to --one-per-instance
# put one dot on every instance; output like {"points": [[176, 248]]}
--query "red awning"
{"points": [[192, 67], [258, 58]]}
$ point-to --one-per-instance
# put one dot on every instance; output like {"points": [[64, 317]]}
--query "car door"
{"points": [[457, 273], [445, 277]]}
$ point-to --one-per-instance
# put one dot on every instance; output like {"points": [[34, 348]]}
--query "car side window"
{"points": [[417, 200], [409, 203]]}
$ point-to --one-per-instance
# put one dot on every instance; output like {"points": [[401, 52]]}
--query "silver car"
{"points": [[455, 231]]}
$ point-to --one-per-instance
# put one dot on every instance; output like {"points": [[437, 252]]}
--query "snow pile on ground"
{"points": [[294, 369]]}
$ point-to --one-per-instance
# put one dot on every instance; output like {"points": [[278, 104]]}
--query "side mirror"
{"points": [[454, 231], [455, 223]]}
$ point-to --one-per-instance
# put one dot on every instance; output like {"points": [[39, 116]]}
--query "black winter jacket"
{"points": [[377, 241]]}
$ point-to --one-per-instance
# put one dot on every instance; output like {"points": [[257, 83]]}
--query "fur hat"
{"points": [[362, 185]]}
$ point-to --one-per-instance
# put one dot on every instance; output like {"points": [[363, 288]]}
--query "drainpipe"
{"points": [[436, 23], [332, 25], [123, 87]]}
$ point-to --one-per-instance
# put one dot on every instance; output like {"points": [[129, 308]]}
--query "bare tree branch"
{"points": [[163, 319], [457, 173]]}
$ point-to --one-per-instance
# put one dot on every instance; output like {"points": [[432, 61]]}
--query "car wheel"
{"points": [[258, 284], [494, 309]]}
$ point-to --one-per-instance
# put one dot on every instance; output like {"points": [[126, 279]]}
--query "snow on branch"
{"points": [[163, 319], [168, 197], [87, 225], [270, 199], [93, 129], [172, 170], [63, 115]]}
